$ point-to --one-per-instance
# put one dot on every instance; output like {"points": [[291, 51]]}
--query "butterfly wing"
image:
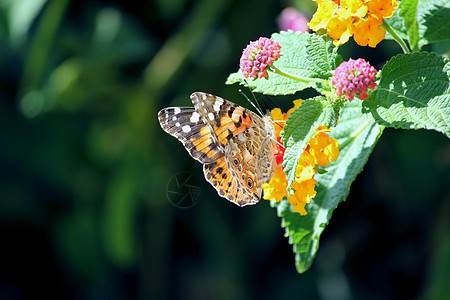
{"points": [[244, 138], [188, 127], [224, 182], [234, 144]]}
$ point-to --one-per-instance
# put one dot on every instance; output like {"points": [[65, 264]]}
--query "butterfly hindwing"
{"points": [[227, 186]]}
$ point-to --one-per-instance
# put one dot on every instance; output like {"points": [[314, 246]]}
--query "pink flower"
{"points": [[290, 18], [258, 56], [354, 77]]}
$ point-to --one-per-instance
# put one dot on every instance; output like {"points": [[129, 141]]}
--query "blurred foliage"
{"points": [[84, 167]]}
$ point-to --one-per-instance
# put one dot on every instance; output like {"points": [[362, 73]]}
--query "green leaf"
{"points": [[356, 138], [120, 208], [408, 10], [300, 127], [431, 16], [303, 55], [413, 93], [436, 20]]}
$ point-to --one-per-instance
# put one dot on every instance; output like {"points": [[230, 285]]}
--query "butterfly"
{"points": [[235, 145]]}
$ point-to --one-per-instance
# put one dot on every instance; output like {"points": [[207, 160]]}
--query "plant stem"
{"points": [[396, 37], [294, 77]]}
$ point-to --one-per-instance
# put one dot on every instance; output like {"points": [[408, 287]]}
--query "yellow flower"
{"points": [[277, 115], [323, 148], [304, 193], [354, 7], [325, 11], [340, 30], [305, 167], [358, 18], [275, 190], [320, 150], [297, 104]]}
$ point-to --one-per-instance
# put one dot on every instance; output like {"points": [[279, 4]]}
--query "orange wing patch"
{"points": [[204, 141], [231, 126]]}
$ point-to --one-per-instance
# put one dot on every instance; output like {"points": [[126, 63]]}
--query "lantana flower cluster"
{"points": [[354, 77], [361, 19], [258, 56], [321, 150], [292, 19]]}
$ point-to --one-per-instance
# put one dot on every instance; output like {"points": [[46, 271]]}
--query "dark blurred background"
{"points": [[97, 202]]}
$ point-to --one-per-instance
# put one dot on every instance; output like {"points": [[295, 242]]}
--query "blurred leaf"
{"points": [[408, 10], [40, 49], [119, 218], [439, 272], [432, 18], [21, 15], [77, 239], [170, 10]]}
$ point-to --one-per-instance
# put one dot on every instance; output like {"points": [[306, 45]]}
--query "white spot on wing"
{"points": [[174, 118], [186, 128], [176, 110], [177, 124], [211, 116], [195, 117], [216, 106]]}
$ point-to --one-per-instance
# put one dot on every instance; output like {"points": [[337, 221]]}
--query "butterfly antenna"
{"points": [[276, 123], [253, 104], [281, 144], [260, 110]]}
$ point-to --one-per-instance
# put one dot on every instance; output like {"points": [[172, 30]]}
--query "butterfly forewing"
{"points": [[185, 124]]}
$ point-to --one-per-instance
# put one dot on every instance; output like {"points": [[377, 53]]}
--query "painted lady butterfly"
{"points": [[235, 145]]}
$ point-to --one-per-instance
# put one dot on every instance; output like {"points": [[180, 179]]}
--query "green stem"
{"points": [[396, 37], [293, 77]]}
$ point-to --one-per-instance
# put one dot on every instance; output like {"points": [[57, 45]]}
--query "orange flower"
{"points": [[369, 31], [320, 150], [358, 18], [382, 8]]}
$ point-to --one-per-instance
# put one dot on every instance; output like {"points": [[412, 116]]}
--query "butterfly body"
{"points": [[235, 145]]}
